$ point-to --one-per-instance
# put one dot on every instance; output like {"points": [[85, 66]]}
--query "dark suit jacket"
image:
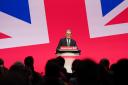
{"points": [[63, 42]]}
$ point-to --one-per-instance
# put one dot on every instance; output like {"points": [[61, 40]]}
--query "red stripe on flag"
{"points": [[121, 18], [3, 36]]}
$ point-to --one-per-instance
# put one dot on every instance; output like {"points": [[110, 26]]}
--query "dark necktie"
{"points": [[68, 43]]}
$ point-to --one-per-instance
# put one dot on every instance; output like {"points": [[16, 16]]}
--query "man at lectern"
{"points": [[67, 41]]}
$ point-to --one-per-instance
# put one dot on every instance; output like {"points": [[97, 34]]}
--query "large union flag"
{"points": [[34, 27]]}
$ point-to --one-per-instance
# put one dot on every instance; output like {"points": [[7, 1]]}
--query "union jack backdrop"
{"points": [[34, 27]]}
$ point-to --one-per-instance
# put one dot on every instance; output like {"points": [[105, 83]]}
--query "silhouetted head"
{"points": [[87, 72], [52, 69], [29, 61], [105, 63], [113, 67], [75, 65], [1, 62], [121, 72], [17, 66], [122, 66], [60, 61]]}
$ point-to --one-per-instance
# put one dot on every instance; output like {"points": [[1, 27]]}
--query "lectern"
{"points": [[69, 53]]}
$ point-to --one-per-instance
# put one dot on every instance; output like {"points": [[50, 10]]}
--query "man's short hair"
{"points": [[68, 31]]}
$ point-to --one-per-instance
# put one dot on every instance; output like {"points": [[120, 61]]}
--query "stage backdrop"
{"points": [[34, 28]]}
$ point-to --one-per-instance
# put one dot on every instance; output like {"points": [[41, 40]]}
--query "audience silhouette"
{"points": [[84, 72]]}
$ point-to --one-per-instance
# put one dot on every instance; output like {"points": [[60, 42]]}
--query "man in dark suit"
{"points": [[67, 41]]}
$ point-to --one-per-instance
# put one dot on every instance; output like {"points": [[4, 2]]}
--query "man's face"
{"points": [[68, 34]]}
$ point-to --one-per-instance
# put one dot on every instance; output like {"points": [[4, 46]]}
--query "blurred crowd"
{"points": [[84, 72]]}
